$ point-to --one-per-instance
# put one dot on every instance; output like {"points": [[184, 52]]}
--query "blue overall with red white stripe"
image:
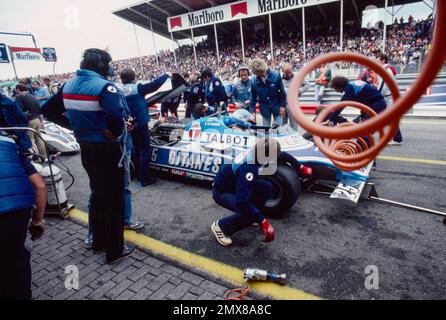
{"points": [[94, 107], [96, 110]]}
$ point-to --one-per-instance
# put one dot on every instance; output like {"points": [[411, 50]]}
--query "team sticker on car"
{"points": [[225, 138], [195, 161]]}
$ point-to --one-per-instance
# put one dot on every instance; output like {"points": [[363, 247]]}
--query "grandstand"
{"points": [[328, 12], [280, 36]]}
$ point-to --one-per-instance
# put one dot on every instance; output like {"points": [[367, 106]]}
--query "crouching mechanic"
{"points": [[134, 94], [239, 188]]}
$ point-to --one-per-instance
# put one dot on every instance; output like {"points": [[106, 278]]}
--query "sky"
{"points": [[417, 10], [71, 26]]}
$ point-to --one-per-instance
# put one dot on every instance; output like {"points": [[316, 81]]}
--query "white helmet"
{"points": [[243, 115]]}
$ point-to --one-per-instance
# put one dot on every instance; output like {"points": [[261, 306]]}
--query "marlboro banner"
{"points": [[31, 54], [235, 11]]}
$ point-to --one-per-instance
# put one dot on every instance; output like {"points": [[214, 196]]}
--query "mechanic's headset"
{"points": [[244, 68]]}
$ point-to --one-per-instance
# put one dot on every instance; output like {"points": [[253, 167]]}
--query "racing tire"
{"points": [[286, 191]]}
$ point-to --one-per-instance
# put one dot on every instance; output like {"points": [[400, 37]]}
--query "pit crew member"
{"points": [[97, 110], [202, 110], [267, 89], [384, 89], [287, 78], [323, 78], [361, 92], [134, 94], [22, 206], [171, 105], [13, 116], [242, 89], [239, 188], [193, 95], [214, 90]]}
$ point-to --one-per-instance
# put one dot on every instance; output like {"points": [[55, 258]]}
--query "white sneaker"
{"points": [[219, 235], [394, 143]]}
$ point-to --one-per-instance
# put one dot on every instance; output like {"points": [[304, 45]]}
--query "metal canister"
{"points": [[58, 186], [255, 274]]}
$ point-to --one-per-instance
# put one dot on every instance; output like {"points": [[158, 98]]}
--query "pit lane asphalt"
{"points": [[323, 246]]}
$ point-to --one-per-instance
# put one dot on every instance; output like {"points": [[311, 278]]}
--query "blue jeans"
{"points": [[289, 116], [127, 192], [319, 94], [398, 136], [240, 220], [277, 119]]}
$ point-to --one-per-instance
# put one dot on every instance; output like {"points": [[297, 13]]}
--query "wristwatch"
{"points": [[38, 224]]}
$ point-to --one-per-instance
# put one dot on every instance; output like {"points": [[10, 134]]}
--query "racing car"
{"points": [[196, 149]]}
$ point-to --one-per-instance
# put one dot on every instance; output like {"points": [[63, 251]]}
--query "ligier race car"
{"points": [[197, 148]]}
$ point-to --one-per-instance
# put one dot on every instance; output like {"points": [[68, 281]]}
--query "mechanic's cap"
{"points": [[243, 115]]}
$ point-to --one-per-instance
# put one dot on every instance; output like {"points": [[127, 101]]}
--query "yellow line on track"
{"points": [[415, 160], [221, 270]]}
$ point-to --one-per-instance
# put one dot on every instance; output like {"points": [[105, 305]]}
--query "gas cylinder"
{"points": [[56, 195]]}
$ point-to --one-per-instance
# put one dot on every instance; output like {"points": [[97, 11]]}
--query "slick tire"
{"points": [[286, 191]]}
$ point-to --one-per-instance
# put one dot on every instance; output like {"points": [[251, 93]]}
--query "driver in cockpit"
{"points": [[202, 110]]}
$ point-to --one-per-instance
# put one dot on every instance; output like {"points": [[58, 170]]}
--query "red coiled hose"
{"points": [[344, 144]]}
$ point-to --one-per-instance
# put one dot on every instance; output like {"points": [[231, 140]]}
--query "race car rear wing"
{"points": [[173, 87]]}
